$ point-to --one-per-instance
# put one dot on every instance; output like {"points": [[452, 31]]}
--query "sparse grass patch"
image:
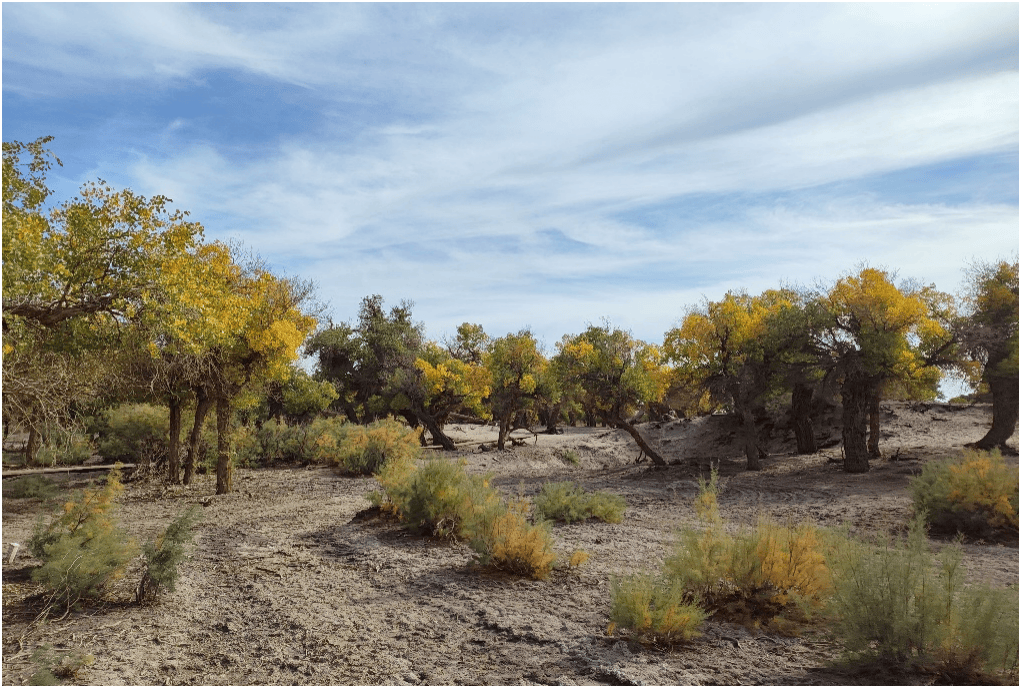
{"points": [[30, 487], [571, 456], [976, 494], [568, 502]]}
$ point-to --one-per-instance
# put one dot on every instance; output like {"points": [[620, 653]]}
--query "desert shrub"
{"points": [[54, 667], [82, 547], [568, 502], [508, 542], [656, 610], [578, 558], [894, 603], [362, 449], [279, 441], [440, 498], [571, 456], [29, 487], [134, 431], [974, 494], [163, 555], [64, 448]]}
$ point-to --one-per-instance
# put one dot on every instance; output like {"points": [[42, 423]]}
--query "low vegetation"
{"points": [[976, 494], [163, 555], [568, 502], [30, 487]]}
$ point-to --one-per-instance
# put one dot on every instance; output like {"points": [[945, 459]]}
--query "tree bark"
{"points": [[639, 439], [224, 467], [801, 419], [202, 406], [855, 396], [873, 445], [174, 444], [503, 428], [434, 430], [1004, 390]]}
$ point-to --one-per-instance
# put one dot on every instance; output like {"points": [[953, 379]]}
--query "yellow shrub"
{"points": [[654, 610], [578, 557], [510, 543], [973, 494]]}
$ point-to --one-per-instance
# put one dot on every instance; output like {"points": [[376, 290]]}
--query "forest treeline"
{"points": [[111, 297]]}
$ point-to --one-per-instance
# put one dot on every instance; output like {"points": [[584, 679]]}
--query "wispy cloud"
{"points": [[553, 164]]}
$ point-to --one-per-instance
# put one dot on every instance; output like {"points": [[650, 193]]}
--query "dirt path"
{"points": [[290, 583]]}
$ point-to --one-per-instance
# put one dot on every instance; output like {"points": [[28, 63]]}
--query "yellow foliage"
{"points": [[578, 558], [513, 544]]}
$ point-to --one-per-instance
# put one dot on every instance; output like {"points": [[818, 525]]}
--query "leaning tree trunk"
{"points": [[856, 392], [873, 446], [202, 406], [224, 468], [639, 439], [801, 419], [174, 444], [1004, 390], [434, 430], [503, 430]]}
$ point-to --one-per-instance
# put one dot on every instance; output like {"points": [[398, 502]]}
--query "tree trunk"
{"points": [[32, 446], [639, 440], [202, 406], [874, 424], [434, 430], [855, 398], [801, 419], [1004, 390], [503, 428], [224, 468], [751, 441], [174, 444]]}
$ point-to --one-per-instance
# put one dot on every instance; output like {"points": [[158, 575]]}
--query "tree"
{"points": [[75, 279], [723, 347], [616, 374], [878, 334], [516, 367], [990, 334]]}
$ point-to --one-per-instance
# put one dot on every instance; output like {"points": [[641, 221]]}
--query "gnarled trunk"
{"points": [[202, 406], [503, 430], [750, 440], [32, 446], [856, 391], [1004, 390], [434, 430], [224, 467], [801, 419]]}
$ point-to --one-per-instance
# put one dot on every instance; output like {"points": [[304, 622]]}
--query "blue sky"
{"points": [[543, 165]]}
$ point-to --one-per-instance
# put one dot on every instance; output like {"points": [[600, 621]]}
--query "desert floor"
{"points": [[291, 581]]}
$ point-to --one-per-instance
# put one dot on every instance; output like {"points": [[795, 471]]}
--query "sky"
{"points": [[543, 165]]}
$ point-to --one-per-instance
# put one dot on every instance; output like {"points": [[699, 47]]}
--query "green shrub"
{"points": [[892, 602], [279, 441], [656, 610], [568, 502], [53, 667], [82, 548], [64, 449], [29, 487], [163, 555], [571, 456], [975, 494], [130, 432]]}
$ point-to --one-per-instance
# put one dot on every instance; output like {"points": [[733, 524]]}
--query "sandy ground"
{"points": [[290, 583]]}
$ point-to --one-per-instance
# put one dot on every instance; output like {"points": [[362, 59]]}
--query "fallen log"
{"points": [[66, 469]]}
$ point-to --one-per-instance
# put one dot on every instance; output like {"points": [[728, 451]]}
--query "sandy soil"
{"points": [[291, 582]]}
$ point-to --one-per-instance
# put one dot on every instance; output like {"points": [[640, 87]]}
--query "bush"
{"points": [[64, 449], [510, 543], [362, 449], [894, 603], [975, 494], [29, 487], [130, 432], [82, 548], [163, 556], [568, 502], [655, 610], [440, 498], [53, 667]]}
